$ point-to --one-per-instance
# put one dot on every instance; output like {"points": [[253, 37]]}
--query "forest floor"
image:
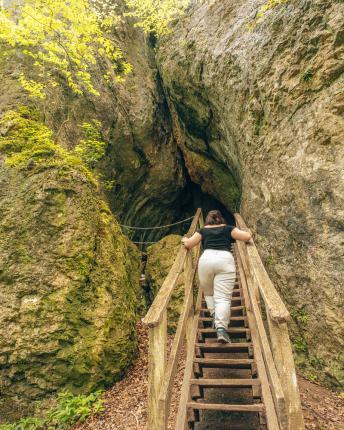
{"points": [[125, 402]]}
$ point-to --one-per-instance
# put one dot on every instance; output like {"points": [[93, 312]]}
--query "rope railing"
{"points": [[156, 227]]}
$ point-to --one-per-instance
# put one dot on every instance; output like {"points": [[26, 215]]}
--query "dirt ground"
{"points": [[125, 402]]}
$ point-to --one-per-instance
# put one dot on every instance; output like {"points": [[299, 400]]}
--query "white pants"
{"points": [[216, 271]]}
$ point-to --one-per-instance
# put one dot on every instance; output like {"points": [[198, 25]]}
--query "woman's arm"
{"points": [[242, 235], [192, 241]]}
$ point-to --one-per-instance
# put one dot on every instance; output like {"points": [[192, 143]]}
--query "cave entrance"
{"points": [[198, 199], [188, 201]]}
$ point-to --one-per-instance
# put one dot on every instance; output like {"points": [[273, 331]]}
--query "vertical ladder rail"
{"points": [[277, 316], [162, 369]]}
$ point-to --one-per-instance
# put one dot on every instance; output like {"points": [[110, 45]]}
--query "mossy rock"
{"points": [[160, 258], [69, 288]]}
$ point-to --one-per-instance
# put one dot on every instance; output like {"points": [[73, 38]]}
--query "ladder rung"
{"points": [[213, 383], [233, 308], [223, 347], [239, 363], [258, 407], [228, 330], [210, 319]]}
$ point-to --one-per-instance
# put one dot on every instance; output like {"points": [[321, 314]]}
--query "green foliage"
{"points": [[155, 16], [69, 410], [300, 344], [301, 317], [312, 378], [92, 147], [108, 184], [28, 143], [61, 39], [269, 260], [25, 424], [307, 76]]}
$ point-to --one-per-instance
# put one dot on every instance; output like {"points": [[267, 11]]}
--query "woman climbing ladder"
{"points": [[216, 267]]}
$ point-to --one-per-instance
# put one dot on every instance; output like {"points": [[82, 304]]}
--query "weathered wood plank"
{"points": [[258, 407], [156, 372], [166, 389], [271, 415], [225, 362], [273, 303], [284, 360], [277, 391], [189, 274], [225, 382], [162, 299], [185, 391]]}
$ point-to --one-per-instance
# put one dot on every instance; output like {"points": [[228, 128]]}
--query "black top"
{"points": [[216, 237]]}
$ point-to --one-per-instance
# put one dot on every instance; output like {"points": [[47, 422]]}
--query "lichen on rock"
{"points": [[68, 285]]}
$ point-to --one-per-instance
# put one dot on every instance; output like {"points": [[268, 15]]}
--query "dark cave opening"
{"points": [[184, 206]]}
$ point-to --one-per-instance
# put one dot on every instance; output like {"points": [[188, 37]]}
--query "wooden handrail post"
{"points": [[284, 361], [156, 372], [188, 277]]}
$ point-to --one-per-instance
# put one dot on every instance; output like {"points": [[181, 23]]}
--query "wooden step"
{"points": [[222, 425], [258, 407], [228, 330], [217, 383], [210, 319], [233, 308], [234, 363], [224, 347]]}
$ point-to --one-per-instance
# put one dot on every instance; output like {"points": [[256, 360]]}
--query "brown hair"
{"points": [[214, 218]]}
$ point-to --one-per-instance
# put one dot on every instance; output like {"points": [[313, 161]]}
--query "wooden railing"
{"points": [[272, 348], [162, 369], [274, 342]]}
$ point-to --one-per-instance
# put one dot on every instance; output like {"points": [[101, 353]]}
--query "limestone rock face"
{"points": [[143, 164], [143, 171], [160, 258], [68, 288], [69, 278], [261, 98]]}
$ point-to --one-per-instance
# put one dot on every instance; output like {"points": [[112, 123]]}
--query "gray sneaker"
{"points": [[222, 336]]}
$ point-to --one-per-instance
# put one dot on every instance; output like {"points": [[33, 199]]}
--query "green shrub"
{"points": [[300, 344], [25, 424], [301, 317], [69, 410]]}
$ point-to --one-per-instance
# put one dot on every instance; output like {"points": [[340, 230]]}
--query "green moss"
{"points": [[91, 147], [28, 143], [74, 277]]}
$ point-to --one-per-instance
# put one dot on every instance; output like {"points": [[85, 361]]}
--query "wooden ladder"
{"points": [[222, 389], [247, 384]]}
